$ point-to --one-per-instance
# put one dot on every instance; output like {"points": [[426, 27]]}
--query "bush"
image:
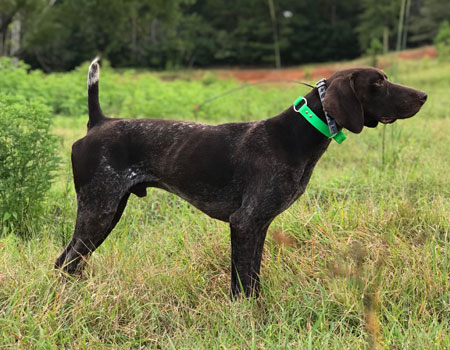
{"points": [[27, 162], [442, 41], [65, 93], [375, 49]]}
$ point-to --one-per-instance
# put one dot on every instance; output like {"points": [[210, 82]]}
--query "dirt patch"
{"points": [[316, 72], [262, 74], [417, 54]]}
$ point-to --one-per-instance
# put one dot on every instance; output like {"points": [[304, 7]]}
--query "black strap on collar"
{"points": [[322, 87]]}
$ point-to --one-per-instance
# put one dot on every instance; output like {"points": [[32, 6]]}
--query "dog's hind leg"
{"points": [[95, 220]]}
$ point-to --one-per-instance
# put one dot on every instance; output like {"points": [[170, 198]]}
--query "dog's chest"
{"points": [[299, 179]]}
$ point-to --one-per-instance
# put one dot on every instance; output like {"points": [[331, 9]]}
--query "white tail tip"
{"points": [[94, 72]]}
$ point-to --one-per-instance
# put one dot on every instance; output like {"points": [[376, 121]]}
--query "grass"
{"points": [[361, 261]]}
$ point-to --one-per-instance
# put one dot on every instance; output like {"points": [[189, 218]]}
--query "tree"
{"points": [[379, 19], [442, 41], [8, 10], [60, 34], [426, 21], [125, 31], [318, 31]]}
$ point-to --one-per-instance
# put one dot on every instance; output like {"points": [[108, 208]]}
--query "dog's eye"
{"points": [[379, 82]]}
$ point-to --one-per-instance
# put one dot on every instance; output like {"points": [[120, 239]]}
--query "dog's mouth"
{"points": [[386, 120]]}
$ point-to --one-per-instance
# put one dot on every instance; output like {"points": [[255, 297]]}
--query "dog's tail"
{"points": [[95, 112]]}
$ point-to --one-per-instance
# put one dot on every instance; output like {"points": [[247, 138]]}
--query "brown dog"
{"points": [[242, 173]]}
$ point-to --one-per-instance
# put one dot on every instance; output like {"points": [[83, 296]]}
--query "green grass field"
{"points": [[360, 261]]}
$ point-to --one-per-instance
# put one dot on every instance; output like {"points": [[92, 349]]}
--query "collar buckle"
{"points": [[297, 102], [315, 121]]}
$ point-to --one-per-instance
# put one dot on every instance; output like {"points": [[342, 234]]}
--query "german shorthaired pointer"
{"points": [[242, 173]]}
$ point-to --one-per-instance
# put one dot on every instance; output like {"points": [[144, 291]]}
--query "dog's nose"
{"points": [[422, 96]]}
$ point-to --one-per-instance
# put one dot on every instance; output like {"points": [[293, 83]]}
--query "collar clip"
{"points": [[314, 120]]}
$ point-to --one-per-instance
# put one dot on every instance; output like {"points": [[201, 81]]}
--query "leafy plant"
{"points": [[442, 41], [375, 49], [27, 162]]}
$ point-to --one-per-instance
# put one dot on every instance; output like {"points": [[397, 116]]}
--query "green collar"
{"points": [[315, 121]]}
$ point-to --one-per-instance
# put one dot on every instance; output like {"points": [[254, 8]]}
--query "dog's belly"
{"points": [[215, 209], [216, 203]]}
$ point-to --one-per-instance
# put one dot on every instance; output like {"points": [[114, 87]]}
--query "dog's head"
{"points": [[363, 97]]}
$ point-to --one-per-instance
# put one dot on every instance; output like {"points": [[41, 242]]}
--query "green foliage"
{"points": [[376, 18], [65, 94], [134, 95], [425, 22], [27, 162], [375, 49], [177, 33], [442, 41], [130, 33], [170, 34]]}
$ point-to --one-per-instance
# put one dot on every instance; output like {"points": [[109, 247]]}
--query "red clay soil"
{"points": [[317, 72], [417, 54]]}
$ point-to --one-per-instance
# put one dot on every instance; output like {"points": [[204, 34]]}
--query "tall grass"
{"points": [[361, 261]]}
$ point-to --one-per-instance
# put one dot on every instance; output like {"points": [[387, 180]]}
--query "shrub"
{"points": [[442, 41], [27, 162], [65, 93], [375, 49]]}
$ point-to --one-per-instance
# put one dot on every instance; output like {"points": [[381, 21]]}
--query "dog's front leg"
{"points": [[247, 242]]}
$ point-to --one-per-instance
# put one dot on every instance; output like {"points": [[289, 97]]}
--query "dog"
{"points": [[241, 173]]}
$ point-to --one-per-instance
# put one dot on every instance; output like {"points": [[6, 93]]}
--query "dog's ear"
{"points": [[342, 104]]}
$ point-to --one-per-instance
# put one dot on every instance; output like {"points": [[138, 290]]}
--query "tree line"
{"points": [[57, 35]]}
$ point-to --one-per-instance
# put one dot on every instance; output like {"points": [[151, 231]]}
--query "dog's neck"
{"points": [[295, 134]]}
